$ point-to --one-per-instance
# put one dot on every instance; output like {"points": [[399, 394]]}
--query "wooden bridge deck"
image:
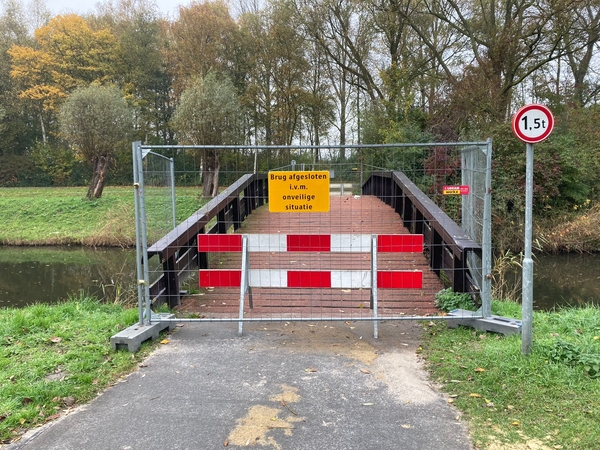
{"points": [[348, 215]]}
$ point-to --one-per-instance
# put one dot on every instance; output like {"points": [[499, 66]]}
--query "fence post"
{"points": [[136, 151], [486, 244]]}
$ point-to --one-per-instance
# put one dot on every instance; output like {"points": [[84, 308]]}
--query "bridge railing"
{"points": [[178, 249], [445, 243]]}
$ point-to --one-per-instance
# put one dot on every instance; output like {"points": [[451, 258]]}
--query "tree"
{"points": [[202, 41], [277, 72], [209, 113], [141, 70], [579, 27], [95, 120], [67, 53], [15, 136], [506, 41]]}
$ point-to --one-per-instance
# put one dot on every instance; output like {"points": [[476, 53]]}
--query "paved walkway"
{"points": [[280, 386]]}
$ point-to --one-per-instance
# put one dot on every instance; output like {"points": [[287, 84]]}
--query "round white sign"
{"points": [[533, 123]]}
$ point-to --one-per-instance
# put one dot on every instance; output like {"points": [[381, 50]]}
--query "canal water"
{"points": [[49, 274]]}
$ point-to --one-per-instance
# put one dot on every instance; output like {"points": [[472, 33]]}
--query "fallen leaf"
{"points": [[310, 369], [68, 401], [516, 423], [55, 339], [479, 369], [21, 420], [450, 400], [405, 425], [346, 290], [226, 443], [475, 395], [165, 341], [367, 371]]}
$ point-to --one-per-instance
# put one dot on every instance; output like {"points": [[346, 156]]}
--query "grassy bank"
{"points": [[53, 358], [548, 400], [62, 216]]}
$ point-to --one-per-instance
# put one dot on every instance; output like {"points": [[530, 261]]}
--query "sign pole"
{"points": [[531, 124], [527, 300]]}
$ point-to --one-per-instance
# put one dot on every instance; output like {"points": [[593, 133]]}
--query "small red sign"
{"points": [[456, 190]]}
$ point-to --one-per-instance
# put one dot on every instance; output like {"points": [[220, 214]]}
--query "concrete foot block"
{"points": [[496, 324], [131, 338]]}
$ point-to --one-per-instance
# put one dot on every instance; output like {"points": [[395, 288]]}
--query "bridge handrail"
{"points": [[168, 245], [178, 251], [450, 231], [440, 231]]}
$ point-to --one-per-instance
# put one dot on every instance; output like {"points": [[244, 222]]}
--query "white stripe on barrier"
{"points": [[354, 243], [267, 243]]}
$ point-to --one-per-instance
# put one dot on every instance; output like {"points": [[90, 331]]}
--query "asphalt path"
{"points": [[286, 386]]}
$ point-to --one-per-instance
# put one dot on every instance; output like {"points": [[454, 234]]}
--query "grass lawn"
{"points": [[63, 216], [54, 357], [547, 400]]}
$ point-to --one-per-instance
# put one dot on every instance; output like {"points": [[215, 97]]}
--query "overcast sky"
{"points": [[84, 6]]}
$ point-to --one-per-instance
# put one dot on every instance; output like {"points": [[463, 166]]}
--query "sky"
{"points": [[84, 6]]}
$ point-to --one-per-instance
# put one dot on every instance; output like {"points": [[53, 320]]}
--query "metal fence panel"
{"points": [[368, 197]]}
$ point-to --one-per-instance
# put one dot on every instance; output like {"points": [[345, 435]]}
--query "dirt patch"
{"points": [[255, 426], [405, 379], [338, 339], [531, 444]]}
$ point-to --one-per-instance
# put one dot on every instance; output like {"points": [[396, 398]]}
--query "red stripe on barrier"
{"points": [[219, 242], [307, 279], [308, 243], [399, 280], [394, 243], [220, 278]]}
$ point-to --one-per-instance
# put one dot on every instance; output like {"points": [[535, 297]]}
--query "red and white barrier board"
{"points": [[343, 279], [334, 243]]}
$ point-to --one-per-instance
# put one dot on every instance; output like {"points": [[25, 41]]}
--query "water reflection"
{"points": [[50, 274], [566, 280]]}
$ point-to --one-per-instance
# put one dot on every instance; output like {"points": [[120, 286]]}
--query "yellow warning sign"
{"points": [[299, 191]]}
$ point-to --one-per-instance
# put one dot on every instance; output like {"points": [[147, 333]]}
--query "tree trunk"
{"points": [[99, 177], [210, 173], [44, 137]]}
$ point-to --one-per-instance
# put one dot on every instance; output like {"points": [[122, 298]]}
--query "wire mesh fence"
{"points": [[305, 265]]}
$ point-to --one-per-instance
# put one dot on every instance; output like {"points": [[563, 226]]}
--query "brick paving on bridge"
{"points": [[348, 215]]}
